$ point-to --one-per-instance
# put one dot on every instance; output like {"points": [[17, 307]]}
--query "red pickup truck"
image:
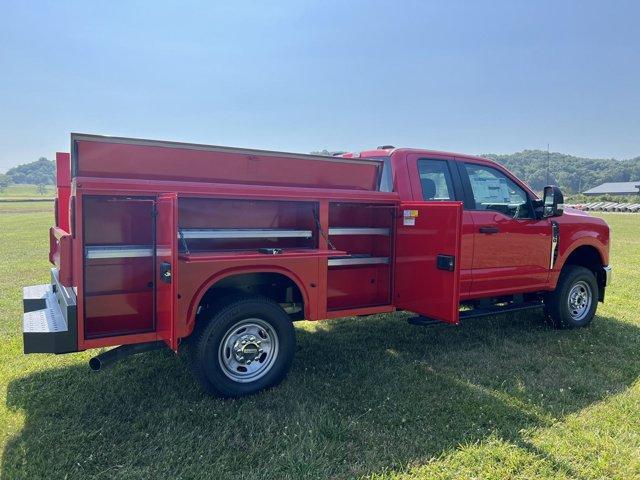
{"points": [[216, 251]]}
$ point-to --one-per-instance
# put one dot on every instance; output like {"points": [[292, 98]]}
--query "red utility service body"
{"points": [[145, 230]]}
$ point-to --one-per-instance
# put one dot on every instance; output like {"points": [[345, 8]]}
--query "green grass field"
{"points": [[24, 192], [504, 397]]}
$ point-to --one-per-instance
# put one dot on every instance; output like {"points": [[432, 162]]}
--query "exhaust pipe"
{"points": [[108, 358]]}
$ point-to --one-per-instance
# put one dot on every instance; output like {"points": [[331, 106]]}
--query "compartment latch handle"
{"points": [[165, 272]]}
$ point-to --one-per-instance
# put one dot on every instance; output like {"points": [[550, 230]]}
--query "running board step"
{"points": [[422, 321], [49, 323], [34, 297], [45, 330], [497, 309]]}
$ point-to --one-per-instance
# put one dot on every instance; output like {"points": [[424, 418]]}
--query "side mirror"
{"points": [[553, 201]]}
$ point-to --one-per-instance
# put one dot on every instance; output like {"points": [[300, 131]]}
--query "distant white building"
{"points": [[615, 188]]}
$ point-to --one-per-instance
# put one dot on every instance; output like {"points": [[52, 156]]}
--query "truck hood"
{"points": [[575, 216], [575, 212]]}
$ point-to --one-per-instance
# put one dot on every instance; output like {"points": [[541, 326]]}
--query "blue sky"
{"points": [[473, 76]]}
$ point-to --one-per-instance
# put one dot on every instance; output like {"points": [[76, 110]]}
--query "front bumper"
{"points": [[49, 323]]}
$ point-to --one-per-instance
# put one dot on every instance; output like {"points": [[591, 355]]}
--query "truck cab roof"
{"points": [[388, 151]]}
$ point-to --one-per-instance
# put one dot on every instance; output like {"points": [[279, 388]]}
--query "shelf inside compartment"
{"points": [[114, 252], [335, 231], [206, 233], [360, 228], [211, 224], [256, 255], [118, 265], [95, 252], [362, 278], [358, 259]]}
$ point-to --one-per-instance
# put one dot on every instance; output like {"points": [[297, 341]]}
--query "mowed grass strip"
{"points": [[502, 397], [27, 192]]}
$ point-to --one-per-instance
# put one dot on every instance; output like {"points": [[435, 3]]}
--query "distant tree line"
{"points": [[572, 174], [328, 153], [4, 182], [40, 172]]}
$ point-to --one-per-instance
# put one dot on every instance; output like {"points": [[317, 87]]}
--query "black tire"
{"points": [[563, 306], [222, 324]]}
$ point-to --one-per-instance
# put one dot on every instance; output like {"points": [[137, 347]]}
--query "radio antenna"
{"points": [[548, 164]]}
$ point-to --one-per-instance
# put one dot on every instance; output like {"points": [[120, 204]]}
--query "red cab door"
{"points": [[510, 255], [427, 259], [511, 246], [166, 258]]}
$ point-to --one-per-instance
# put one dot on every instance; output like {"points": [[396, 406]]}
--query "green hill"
{"points": [[40, 172], [571, 174]]}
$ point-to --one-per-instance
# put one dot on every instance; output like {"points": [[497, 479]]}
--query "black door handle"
{"points": [[489, 230]]}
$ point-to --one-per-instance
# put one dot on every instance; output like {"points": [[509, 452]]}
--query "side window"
{"points": [[435, 179], [493, 190]]}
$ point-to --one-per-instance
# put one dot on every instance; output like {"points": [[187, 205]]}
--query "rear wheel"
{"points": [[245, 345], [574, 301]]}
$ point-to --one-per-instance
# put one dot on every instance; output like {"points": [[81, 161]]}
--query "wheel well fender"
{"points": [[276, 283], [588, 256]]}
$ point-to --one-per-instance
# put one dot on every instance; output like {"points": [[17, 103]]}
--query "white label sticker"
{"points": [[410, 222]]}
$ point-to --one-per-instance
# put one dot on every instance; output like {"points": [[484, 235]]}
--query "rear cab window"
{"points": [[435, 180]]}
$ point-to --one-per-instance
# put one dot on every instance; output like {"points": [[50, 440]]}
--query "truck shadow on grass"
{"points": [[365, 396]]}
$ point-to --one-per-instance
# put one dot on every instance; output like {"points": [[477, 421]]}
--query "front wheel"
{"points": [[245, 345], [573, 303]]}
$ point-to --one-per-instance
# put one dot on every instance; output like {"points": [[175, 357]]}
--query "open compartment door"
{"points": [[427, 259], [166, 267]]}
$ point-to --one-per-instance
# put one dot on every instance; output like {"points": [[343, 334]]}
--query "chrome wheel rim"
{"points": [[579, 300], [248, 350]]}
